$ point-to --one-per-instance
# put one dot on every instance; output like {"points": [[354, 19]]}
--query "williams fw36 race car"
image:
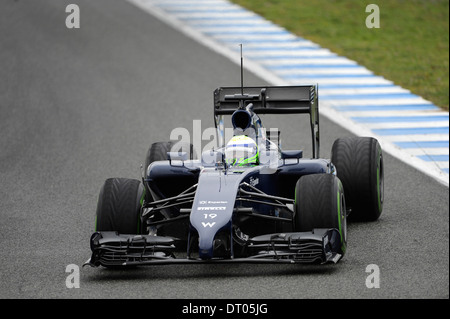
{"points": [[247, 200]]}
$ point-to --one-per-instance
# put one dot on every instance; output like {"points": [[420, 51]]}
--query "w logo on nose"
{"points": [[208, 224]]}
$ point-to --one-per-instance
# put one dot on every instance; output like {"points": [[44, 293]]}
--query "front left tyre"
{"points": [[119, 206]]}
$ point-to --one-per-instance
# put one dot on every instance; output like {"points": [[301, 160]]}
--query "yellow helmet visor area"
{"points": [[241, 151]]}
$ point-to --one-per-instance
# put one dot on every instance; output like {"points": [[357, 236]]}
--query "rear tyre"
{"points": [[359, 165], [320, 203], [158, 151], [119, 206]]}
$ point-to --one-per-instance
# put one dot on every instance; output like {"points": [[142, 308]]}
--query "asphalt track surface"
{"points": [[82, 105]]}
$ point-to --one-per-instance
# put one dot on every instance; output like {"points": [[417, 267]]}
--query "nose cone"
{"points": [[212, 210]]}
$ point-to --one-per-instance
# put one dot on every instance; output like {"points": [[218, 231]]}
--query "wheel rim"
{"points": [[343, 221], [380, 183]]}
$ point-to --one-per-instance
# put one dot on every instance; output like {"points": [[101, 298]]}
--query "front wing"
{"points": [[318, 246]]}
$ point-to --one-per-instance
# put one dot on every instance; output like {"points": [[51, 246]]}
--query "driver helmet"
{"points": [[241, 150]]}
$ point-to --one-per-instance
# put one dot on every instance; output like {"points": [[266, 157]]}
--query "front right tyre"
{"points": [[320, 203]]}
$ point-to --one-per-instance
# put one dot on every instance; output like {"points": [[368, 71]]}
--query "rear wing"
{"points": [[271, 100]]}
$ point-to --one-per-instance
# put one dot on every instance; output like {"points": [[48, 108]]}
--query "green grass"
{"points": [[411, 47]]}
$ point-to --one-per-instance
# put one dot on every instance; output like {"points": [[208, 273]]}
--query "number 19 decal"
{"points": [[207, 216]]}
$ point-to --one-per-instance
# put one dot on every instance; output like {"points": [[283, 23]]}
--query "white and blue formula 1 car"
{"points": [[246, 201]]}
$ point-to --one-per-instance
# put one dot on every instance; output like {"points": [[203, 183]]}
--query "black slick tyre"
{"points": [[359, 165], [119, 206], [320, 203]]}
